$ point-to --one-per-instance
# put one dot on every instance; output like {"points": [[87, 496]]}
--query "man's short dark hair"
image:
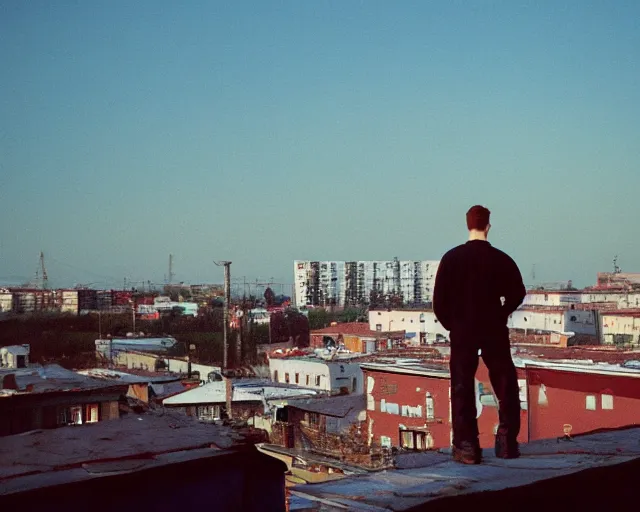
{"points": [[478, 218]]}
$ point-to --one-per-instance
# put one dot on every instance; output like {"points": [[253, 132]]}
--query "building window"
{"points": [[354, 385], [379, 327], [542, 395], [91, 413], [591, 403], [607, 402], [208, 412], [297, 378], [286, 377], [318, 380], [275, 376], [430, 407], [313, 419], [406, 440], [308, 380], [385, 441]]}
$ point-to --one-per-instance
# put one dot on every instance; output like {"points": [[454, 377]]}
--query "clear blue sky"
{"points": [[263, 132]]}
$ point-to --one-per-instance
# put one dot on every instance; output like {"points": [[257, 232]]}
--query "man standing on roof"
{"points": [[477, 288]]}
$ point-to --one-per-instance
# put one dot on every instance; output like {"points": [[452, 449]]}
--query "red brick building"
{"points": [[408, 406], [575, 400]]}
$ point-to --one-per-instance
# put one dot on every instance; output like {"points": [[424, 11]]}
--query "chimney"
{"points": [[9, 382]]}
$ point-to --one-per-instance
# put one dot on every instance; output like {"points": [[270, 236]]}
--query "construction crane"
{"points": [[41, 282]]}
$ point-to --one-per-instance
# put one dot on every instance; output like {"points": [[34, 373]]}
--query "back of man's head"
{"points": [[478, 218]]}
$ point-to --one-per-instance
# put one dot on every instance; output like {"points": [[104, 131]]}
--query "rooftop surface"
{"points": [[44, 457], [352, 328], [125, 377], [215, 392], [336, 406], [41, 379], [424, 478]]}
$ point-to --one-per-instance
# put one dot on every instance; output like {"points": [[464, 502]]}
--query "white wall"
{"points": [[6, 302], [408, 321], [332, 374], [618, 324], [537, 320], [570, 320], [538, 298]]}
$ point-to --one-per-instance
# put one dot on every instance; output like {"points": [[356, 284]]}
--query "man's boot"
{"points": [[467, 453], [506, 448]]}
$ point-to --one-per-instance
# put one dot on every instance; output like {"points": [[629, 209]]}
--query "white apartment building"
{"points": [[320, 283]]}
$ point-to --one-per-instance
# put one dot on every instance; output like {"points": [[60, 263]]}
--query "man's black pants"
{"points": [[496, 354]]}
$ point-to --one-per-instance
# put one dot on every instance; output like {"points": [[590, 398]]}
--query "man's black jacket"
{"points": [[477, 288]]}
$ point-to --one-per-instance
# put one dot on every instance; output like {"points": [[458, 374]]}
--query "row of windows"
{"points": [[297, 379], [410, 411], [591, 401]]}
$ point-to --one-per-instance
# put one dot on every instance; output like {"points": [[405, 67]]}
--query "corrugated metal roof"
{"points": [[336, 406], [215, 392], [51, 378]]}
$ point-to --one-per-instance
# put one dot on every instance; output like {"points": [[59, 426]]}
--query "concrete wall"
{"points": [[408, 321], [332, 375], [580, 322]]}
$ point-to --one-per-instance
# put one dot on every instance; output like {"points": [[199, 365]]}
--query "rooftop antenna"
{"points": [[171, 274], [616, 268]]}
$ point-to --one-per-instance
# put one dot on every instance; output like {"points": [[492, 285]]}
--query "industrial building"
{"points": [[350, 283]]}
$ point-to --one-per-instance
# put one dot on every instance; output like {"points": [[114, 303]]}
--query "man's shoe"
{"points": [[506, 448], [467, 453]]}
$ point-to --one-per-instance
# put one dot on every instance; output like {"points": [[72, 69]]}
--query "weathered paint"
{"points": [[558, 398], [416, 396]]}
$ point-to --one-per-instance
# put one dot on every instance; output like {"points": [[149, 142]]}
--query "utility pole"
{"points": [[227, 300]]}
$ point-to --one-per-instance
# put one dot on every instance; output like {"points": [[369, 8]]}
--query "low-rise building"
{"points": [[330, 426], [51, 396], [14, 356], [253, 401], [355, 337], [621, 328], [418, 324], [409, 405], [332, 377], [552, 319], [572, 399]]}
